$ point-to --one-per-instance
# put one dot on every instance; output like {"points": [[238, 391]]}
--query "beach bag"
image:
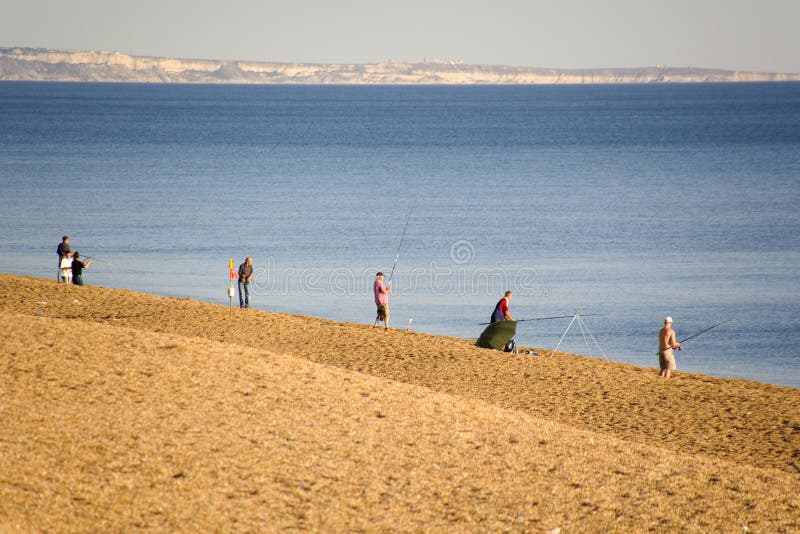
{"points": [[511, 346]]}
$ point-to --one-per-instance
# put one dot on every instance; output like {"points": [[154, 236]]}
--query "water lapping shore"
{"points": [[130, 410]]}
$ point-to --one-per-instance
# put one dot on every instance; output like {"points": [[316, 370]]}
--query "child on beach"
{"points": [[66, 268]]}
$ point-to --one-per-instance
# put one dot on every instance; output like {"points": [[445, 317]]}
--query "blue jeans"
{"points": [[244, 294]]}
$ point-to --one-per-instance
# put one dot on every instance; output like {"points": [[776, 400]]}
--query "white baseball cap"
{"points": [[667, 319]]}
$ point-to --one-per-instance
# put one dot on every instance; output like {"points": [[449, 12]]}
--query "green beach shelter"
{"points": [[497, 334]]}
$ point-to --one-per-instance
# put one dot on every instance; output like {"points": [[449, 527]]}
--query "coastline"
{"points": [[40, 64], [130, 409]]}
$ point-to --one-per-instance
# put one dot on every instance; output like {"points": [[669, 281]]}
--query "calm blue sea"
{"points": [[631, 202]]}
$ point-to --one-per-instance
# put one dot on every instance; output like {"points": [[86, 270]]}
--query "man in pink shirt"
{"points": [[381, 300]]}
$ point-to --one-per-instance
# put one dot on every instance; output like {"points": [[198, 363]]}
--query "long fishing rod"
{"points": [[93, 259], [684, 340], [555, 317], [706, 330], [402, 238]]}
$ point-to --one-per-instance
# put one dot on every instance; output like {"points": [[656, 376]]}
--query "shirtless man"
{"points": [[667, 342]]}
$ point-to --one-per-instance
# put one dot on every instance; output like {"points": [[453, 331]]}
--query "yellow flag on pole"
{"points": [[234, 274]]}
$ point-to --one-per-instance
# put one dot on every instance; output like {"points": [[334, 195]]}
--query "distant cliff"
{"points": [[37, 64]]}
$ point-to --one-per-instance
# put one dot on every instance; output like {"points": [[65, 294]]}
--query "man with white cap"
{"points": [[667, 342]]}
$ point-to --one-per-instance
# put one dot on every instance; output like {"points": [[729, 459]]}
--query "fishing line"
{"points": [[402, 238], [96, 259], [555, 317], [707, 329]]}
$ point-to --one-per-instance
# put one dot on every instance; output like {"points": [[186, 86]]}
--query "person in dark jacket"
{"points": [[62, 250], [77, 268]]}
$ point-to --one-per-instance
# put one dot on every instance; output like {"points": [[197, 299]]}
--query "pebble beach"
{"points": [[124, 410]]}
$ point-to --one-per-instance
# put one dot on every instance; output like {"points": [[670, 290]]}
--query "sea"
{"points": [[607, 206]]}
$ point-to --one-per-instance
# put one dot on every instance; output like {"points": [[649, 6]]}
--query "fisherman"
{"points": [[501, 312], [245, 273], [667, 342], [62, 250], [65, 267], [381, 300], [77, 268]]}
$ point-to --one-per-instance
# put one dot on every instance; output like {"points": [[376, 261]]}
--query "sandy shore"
{"points": [[122, 410]]}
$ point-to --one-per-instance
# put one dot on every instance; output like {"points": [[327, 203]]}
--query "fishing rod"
{"points": [[92, 258], [707, 329], [402, 238], [555, 317], [684, 340]]}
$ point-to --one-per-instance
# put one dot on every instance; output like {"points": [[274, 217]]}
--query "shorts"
{"points": [[383, 312], [666, 360]]}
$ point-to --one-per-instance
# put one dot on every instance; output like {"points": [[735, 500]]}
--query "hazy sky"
{"points": [[735, 34]]}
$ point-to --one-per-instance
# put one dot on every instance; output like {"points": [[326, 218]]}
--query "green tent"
{"points": [[497, 335]]}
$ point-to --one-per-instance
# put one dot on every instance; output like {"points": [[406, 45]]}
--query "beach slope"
{"points": [[123, 410]]}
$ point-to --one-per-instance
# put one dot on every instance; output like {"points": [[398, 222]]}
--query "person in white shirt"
{"points": [[66, 268]]}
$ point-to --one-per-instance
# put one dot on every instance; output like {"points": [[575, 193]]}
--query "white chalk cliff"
{"points": [[35, 64]]}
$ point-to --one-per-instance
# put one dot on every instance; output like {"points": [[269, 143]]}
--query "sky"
{"points": [[760, 35]]}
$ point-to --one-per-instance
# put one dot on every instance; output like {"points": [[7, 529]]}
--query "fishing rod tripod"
{"points": [[576, 318]]}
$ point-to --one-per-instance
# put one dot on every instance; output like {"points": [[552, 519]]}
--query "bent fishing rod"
{"points": [[684, 340], [402, 238], [555, 317]]}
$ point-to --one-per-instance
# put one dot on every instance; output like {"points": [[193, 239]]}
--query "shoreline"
{"points": [[543, 351], [161, 306]]}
